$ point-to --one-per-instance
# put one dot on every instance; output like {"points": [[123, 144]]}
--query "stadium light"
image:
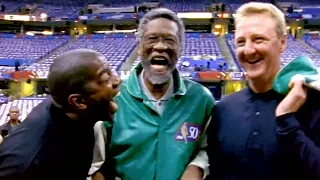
{"points": [[43, 15], [30, 33], [47, 33]]}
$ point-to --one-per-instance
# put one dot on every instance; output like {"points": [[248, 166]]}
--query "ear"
{"points": [[283, 44], [77, 101], [140, 49]]}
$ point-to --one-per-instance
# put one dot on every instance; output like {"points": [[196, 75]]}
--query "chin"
{"points": [[256, 74], [158, 80]]}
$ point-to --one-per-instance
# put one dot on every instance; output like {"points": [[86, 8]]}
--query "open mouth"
{"points": [[159, 64], [159, 60], [113, 105], [255, 61]]}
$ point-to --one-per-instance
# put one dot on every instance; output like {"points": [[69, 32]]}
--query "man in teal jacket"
{"points": [[158, 134]]}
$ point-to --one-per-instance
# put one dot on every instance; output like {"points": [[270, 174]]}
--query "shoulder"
{"points": [[4, 126], [194, 88], [40, 114], [233, 99]]}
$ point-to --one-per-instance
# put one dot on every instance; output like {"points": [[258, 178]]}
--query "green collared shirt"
{"points": [[146, 144]]}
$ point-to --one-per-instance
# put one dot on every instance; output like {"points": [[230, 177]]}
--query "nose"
{"points": [[116, 82], [160, 46], [249, 49]]}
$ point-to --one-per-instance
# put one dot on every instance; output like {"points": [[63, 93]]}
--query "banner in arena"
{"points": [[211, 75], [195, 15], [24, 75], [17, 17], [236, 75]]}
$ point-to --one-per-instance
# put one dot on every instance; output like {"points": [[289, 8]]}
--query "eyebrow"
{"points": [[102, 71]]}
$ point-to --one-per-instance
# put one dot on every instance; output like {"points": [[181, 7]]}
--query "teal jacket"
{"points": [[148, 146]]}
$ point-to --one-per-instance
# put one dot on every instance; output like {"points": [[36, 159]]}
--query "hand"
{"points": [[192, 173], [296, 97], [98, 176]]}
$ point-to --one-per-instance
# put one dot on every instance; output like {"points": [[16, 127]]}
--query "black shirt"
{"points": [[246, 141], [47, 145], [7, 129]]}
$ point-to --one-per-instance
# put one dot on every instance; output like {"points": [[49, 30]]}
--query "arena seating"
{"points": [[313, 42], [56, 11], [116, 48], [27, 49], [204, 45], [186, 6], [296, 48], [12, 6], [232, 47], [313, 11]]}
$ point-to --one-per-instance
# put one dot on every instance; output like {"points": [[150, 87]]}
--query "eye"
{"points": [[152, 38], [169, 39], [105, 78], [258, 40], [240, 43]]}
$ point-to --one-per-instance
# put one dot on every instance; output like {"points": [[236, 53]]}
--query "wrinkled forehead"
{"points": [[255, 24], [161, 26]]}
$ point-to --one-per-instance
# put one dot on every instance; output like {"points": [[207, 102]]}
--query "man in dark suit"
{"points": [[56, 140]]}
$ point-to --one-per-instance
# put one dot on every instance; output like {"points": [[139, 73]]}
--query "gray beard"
{"points": [[156, 79]]}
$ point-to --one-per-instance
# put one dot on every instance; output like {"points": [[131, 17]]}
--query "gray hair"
{"points": [[161, 13]]}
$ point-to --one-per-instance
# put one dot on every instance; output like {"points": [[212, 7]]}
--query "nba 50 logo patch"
{"points": [[188, 132]]}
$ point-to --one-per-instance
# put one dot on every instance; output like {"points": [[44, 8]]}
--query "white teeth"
{"points": [[159, 58], [158, 67], [254, 61]]}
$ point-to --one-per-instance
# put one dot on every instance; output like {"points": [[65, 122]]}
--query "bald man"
{"points": [[56, 140], [13, 122]]}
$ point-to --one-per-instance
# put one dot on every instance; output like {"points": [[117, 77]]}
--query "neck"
{"points": [[69, 114], [264, 83], [14, 122], [157, 90], [260, 86]]}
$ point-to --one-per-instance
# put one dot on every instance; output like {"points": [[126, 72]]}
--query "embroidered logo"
{"points": [[188, 132]]}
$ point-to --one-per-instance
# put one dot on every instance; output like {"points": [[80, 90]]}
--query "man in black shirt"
{"points": [[56, 140], [12, 123], [257, 133]]}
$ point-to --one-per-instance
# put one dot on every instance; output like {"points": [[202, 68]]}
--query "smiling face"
{"points": [[259, 47], [102, 89], [159, 50]]}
